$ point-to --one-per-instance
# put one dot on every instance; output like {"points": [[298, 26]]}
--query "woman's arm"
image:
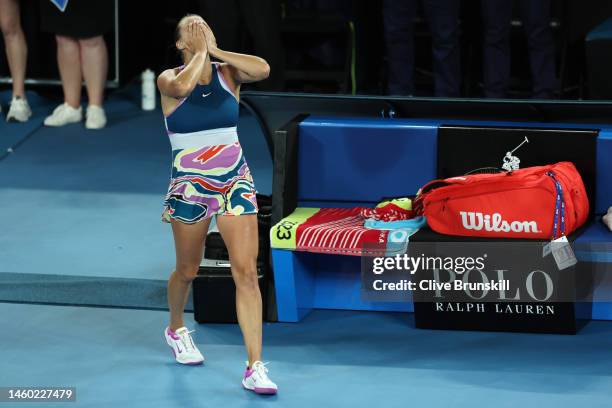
{"points": [[243, 67], [180, 85]]}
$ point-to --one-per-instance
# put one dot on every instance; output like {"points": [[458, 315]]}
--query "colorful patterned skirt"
{"points": [[207, 181]]}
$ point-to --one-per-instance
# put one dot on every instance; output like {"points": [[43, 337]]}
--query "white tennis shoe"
{"points": [[256, 379], [183, 347], [64, 115], [19, 111], [95, 117]]}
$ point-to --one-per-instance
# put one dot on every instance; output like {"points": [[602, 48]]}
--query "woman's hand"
{"points": [[175, 83], [195, 38], [211, 41], [241, 67]]}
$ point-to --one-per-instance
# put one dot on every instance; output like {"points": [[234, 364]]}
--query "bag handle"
{"points": [[434, 184], [417, 204]]}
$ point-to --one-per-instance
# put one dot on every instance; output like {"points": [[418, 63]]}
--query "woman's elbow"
{"points": [[265, 71]]}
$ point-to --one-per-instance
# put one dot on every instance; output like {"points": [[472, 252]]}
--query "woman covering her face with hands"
{"points": [[210, 177]]}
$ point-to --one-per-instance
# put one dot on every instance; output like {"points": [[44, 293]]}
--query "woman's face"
{"points": [[182, 28]]}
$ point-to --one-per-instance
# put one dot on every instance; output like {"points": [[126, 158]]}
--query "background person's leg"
{"points": [[240, 236], [496, 16], [14, 43], [69, 63], [443, 19], [398, 20], [536, 15], [94, 63], [189, 245]]}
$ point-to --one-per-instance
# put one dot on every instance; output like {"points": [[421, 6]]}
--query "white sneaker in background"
{"points": [[95, 117], [183, 347], [256, 379], [607, 219], [19, 111], [63, 115]]}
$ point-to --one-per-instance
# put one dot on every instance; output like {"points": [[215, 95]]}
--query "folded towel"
{"points": [[335, 231], [411, 224]]}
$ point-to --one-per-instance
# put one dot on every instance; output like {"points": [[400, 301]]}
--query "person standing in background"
{"points": [[81, 54], [443, 19], [497, 15], [260, 20], [16, 54]]}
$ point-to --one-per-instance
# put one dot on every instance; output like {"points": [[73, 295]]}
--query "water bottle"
{"points": [[148, 90]]}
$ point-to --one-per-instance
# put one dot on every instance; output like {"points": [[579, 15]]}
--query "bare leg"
{"points": [[189, 245], [15, 44], [94, 60], [69, 62], [240, 236]]}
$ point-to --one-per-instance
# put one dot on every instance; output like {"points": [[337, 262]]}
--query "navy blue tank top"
{"points": [[208, 107]]}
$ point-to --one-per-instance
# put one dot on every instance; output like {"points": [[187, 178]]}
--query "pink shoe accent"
{"points": [[248, 372], [172, 334]]}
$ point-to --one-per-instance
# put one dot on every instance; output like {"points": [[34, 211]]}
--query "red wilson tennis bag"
{"points": [[541, 202]]}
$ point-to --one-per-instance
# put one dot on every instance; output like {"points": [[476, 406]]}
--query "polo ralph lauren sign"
{"points": [[531, 293]]}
